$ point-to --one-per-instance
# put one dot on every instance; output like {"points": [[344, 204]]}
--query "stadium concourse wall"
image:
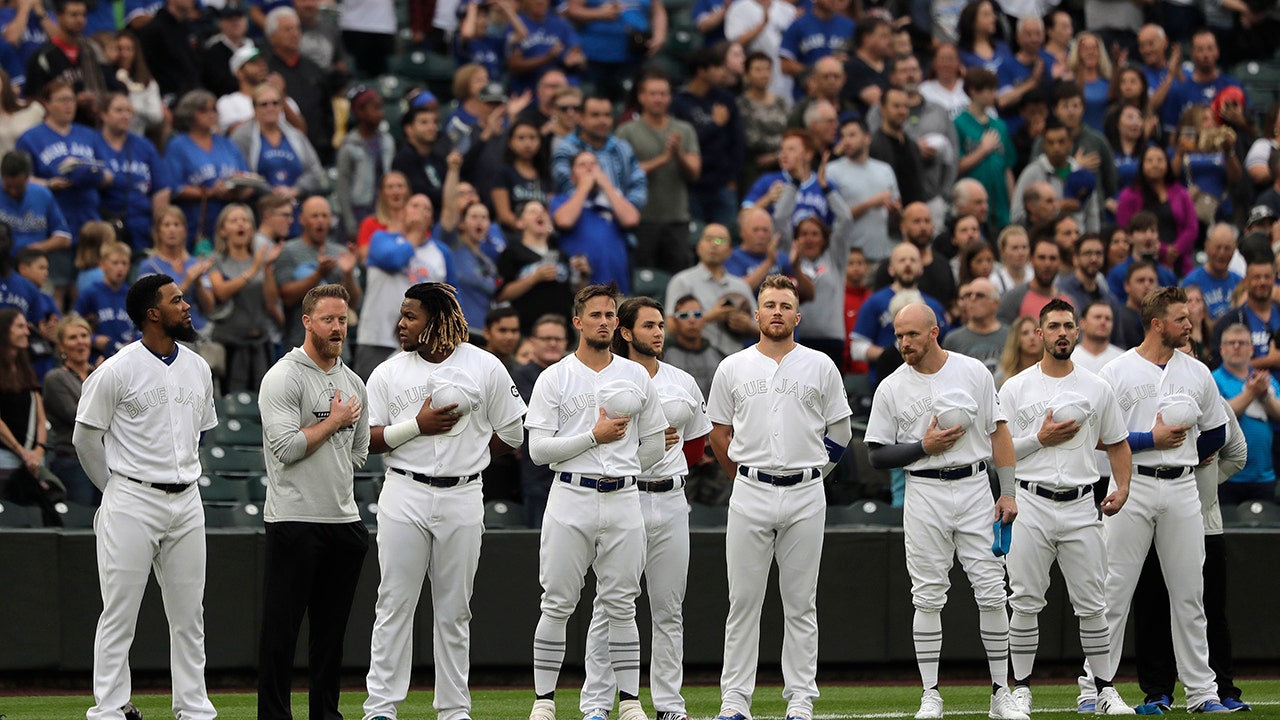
{"points": [[50, 604]]}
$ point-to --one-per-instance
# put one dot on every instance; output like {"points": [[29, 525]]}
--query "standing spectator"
{"points": [[526, 176], [149, 111], [501, 338], [727, 323], [667, 149], [140, 184], [856, 292], [1056, 166], [307, 83], [979, 38], [417, 160], [936, 279], [276, 151], [891, 145], [541, 113], [757, 257], [463, 227], [1091, 69], [1015, 254], [244, 285], [945, 86], [1215, 278], [1155, 189], [393, 194], [1086, 284], [823, 81], [364, 158], [1032, 70], [249, 66], [1202, 85], [593, 219], [1126, 133], [61, 398], [985, 151], [368, 30], [218, 76], [485, 32], [1027, 300], [171, 45], [322, 39], [616, 38], [1199, 341], [200, 163], [1095, 349], [549, 45], [18, 115], [312, 259], [1204, 154], [711, 109], [764, 118], [1144, 241], [822, 32], [29, 212], [15, 290], [316, 542], [1161, 67], [614, 157], [1022, 349], [1252, 395], [1088, 146], [969, 197], [867, 69], [103, 302], [565, 116], [872, 339], [982, 337], [68, 56], [26, 26], [169, 256], [689, 349], [1139, 280], [796, 158], [1257, 312], [22, 420], [275, 217], [537, 277], [550, 337], [758, 25], [708, 19]]}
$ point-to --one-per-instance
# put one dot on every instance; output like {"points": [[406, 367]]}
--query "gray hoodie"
{"points": [[318, 487]]}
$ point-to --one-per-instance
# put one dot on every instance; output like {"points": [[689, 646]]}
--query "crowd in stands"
{"points": [[983, 157]]}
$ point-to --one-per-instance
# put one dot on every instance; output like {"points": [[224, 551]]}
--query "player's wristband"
{"points": [[1008, 486], [400, 433], [1139, 441]]}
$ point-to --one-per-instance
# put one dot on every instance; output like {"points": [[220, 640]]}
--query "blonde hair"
{"points": [[462, 80], [114, 247], [1013, 347], [1008, 232], [1104, 62], [93, 236], [69, 322], [219, 240], [171, 211]]}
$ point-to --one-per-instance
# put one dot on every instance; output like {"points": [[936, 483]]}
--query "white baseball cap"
{"points": [[1179, 409], [940, 143], [678, 405], [450, 385], [955, 407], [620, 398], [1072, 406], [244, 55]]}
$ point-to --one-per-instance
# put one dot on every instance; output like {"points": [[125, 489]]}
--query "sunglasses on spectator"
{"points": [[689, 315], [269, 103], [569, 108]]}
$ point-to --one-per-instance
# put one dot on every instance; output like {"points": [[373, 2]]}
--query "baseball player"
{"points": [[938, 416], [137, 433], [439, 411], [640, 336], [1059, 413], [315, 436], [1175, 419], [597, 420], [780, 423]]}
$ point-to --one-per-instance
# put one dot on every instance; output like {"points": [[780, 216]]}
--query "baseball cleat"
{"points": [[1236, 704], [596, 714], [131, 712], [1110, 703], [797, 716], [630, 710], [730, 714], [1210, 706], [930, 705], [1004, 708], [672, 715], [1022, 698], [1086, 705], [543, 710], [1164, 702]]}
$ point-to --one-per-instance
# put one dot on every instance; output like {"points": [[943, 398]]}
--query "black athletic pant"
{"points": [[311, 568]]}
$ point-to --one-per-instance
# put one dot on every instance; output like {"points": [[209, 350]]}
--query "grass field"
{"points": [[836, 703]]}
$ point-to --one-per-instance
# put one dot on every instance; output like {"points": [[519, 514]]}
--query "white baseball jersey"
{"points": [[673, 463], [1139, 384], [1025, 398], [779, 411], [564, 401], [398, 387], [152, 413], [1094, 364], [903, 409]]}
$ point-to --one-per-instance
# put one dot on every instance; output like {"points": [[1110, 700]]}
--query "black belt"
{"points": [[775, 480], [1056, 495], [958, 473], [604, 484], [440, 482], [1163, 473], [171, 488], [659, 486]]}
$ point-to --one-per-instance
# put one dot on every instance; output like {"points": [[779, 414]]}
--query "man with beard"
{"points": [[137, 435], [890, 144], [1144, 238], [1257, 312], [780, 423], [1060, 413], [1176, 421], [1027, 299], [1081, 286], [936, 278], [937, 416], [439, 411], [640, 338], [868, 186], [597, 420], [873, 333], [315, 436]]}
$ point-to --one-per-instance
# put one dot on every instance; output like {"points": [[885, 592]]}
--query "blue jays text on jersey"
{"points": [[803, 392], [141, 402]]}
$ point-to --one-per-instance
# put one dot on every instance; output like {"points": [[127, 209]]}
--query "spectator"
{"points": [[1022, 349], [393, 194], [249, 65], [984, 150], [979, 40], [170, 44], [867, 69], [983, 336], [796, 158], [969, 197], [616, 37], [1059, 32], [416, 159], [823, 32], [16, 115], [977, 259], [68, 56], [1257, 162], [1032, 70], [757, 257], [29, 212], [1144, 242], [536, 273], [705, 104], [868, 186], [872, 339], [22, 421], [312, 259], [1032, 114], [368, 30], [103, 303], [936, 279], [131, 71], [565, 118], [217, 72], [1161, 67], [823, 81], [945, 86], [667, 149], [764, 118], [365, 156], [169, 256], [551, 338], [593, 219], [730, 299], [307, 83], [1214, 278], [16, 291], [525, 176], [140, 184], [501, 336], [1204, 83], [1040, 200], [758, 25], [1204, 154], [1055, 166], [1028, 299], [1015, 255], [1126, 133], [275, 217], [1091, 69], [688, 348], [821, 253], [1252, 394], [1130, 88], [1086, 283], [1089, 147], [484, 33], [89, 252], [1140, 280], [1116, 238], [541, 114], [463, 227], [244, 285], [1199, 342], [276, 151], [1095, 349], [34, 266], [26, 26], [61, 398], [550, 45], [614, 157], [1257, 312], [200, 164], [856, 292]]}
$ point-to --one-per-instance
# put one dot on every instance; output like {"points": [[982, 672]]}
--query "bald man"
{"points": [[727, 300], [982, 337], [873, 333], [970, 198], [312, 259], [757, 257], [936, 279], [937, 416]]}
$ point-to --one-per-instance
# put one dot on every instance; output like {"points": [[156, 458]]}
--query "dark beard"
{"points": [[598, 344], [1053, 351], [909, 285], [182, 332], [645, 351]]}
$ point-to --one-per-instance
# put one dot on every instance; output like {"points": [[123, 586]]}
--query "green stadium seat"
{"points": [[373, 467], [1258, 514], [1261, 83], [367, 489], [75, 516], [651, 282], [239, 405], [425, 66], [244, 515], [864, 512], [236, 431], [233, 460], [369, 514], [257, 488], [20, 516], [218, 490], [503, 515], [708, 516]]}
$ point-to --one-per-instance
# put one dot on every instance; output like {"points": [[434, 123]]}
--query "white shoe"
{"points": [[1003, 707], [930, 705], [543, 710], [1022, 699], [631, 710], [1110, 703]]}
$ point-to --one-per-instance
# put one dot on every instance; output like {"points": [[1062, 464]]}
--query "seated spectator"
{"points": [[22, 422], [417, 160], [550, 44], [368, 30], [393, 193], [1144, 241], [34, 266], [616, 38], [463, 227], [525, 176], [727, 322], [1014, 267], [1156, 190], [170, 44], [1073, 183], [16, 114], [1139, 280], [687, 348], [364, 158], [982, 337], [537, 278], [103, 303], [484, 33], [945, 86], [312, 259], [200, 163], [764, 118], [16, 291], [61, 58], [140, 181], [823, 32], [1252, 395], [218, 73], [757, 257], [1022, 349], [712, 111], [29, 212], [149, 111], [593, 219], [276, 151], [872, 339], [1215, 278], [306, 82], [169, 256], [243, 279], [61, 398], [796, 158], [249, 66], [985, 151], [1027, 300]]}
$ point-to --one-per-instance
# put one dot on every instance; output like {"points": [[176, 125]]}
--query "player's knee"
{"points": [[992, 603], [929, 604], [1029, 608]]}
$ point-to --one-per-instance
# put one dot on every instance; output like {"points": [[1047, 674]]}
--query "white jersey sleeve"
{"points": [[99, 397], [546, 400], [378, 406]]}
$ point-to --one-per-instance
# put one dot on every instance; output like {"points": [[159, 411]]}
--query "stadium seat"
{"points": [[708, 516], [243, 515], [75, 516], [218, 490], [503, 515], [239, 405], [373, 467], [233, 460], [864, 512], [369, 514], [257, 488], [651, 282], [1261, 84], [1258, 513], [20, 516], [367, 489], [236, 431]]}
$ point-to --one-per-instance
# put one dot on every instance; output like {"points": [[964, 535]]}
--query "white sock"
{"points": [[993, 625], [548, 654], [1024, 641], [624, 655], [1095, 640], [926, 628]]}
